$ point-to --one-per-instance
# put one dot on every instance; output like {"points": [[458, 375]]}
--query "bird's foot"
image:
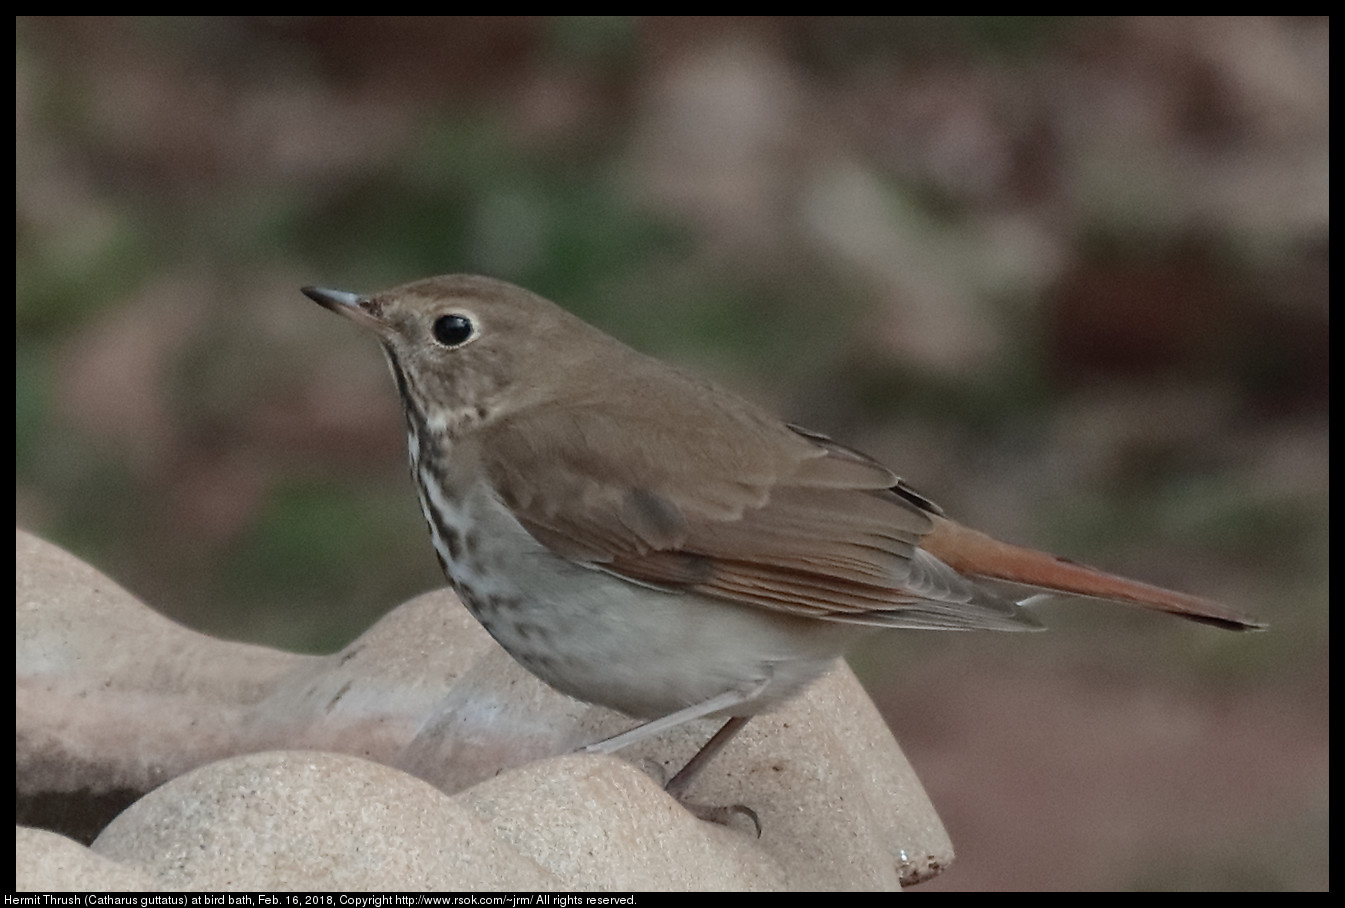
{"points": [[722, 815]]}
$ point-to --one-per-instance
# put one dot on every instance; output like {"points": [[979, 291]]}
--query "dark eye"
{"points": [[453, 330]]}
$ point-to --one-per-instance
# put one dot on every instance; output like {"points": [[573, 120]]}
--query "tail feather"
{"points": [[970, 552]]}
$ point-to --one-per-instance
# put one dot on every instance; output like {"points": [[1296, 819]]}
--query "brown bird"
{"points": [[642, 539]]}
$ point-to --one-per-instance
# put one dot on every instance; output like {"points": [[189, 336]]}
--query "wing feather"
{"points": [[755, 512]]}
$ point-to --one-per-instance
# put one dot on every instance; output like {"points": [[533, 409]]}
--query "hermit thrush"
{"points": [[644, 540]]}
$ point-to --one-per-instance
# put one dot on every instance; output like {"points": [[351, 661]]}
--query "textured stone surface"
{"points": [[303, 820], [600, 822], [458, 783], [47, 862]]}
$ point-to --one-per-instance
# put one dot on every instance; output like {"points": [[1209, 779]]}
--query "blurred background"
{"points": [[1068, 277]]}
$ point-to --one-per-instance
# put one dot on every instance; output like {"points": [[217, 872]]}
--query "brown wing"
{"points": [[748, 510]]}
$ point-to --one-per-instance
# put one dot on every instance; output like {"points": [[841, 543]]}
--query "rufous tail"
{"points": [[973, 553]]}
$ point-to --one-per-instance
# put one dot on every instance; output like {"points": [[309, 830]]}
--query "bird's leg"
{"points": [[680, 782], [718, 703]]}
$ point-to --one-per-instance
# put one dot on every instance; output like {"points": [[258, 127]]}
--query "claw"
{"points": [[722, 815]]}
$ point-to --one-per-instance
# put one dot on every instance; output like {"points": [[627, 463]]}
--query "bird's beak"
{"points": [[360, 309]]}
